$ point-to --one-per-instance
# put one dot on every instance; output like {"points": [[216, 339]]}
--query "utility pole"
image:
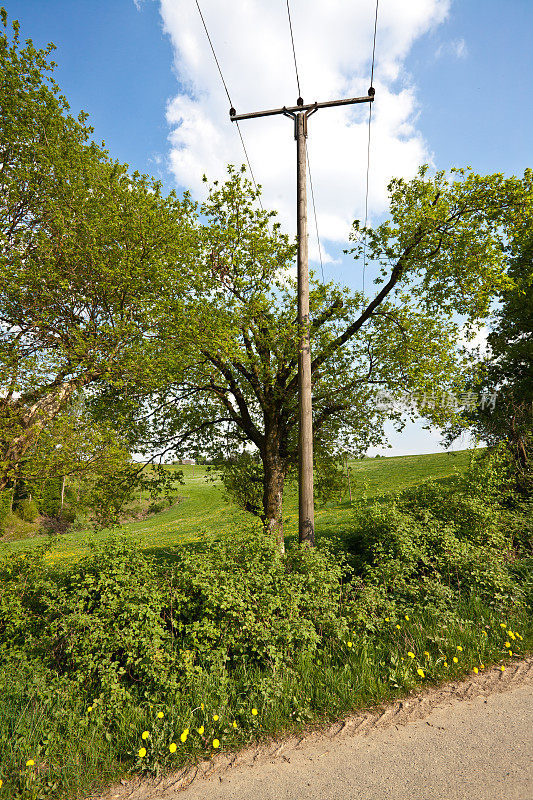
{"points": [[300, 114]]}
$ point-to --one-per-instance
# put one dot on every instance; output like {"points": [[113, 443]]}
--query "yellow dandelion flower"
{"points": [[510, 652], [215, 717], [387, 619], [234, 723], [455, 659], [216, 743], [1, 783], [200, 729], [145, 735], [410, 654], [426, 653], [142, 752], [254, 712], [173, 747], [160, 715], [459, 648], [482, 666], [476, 670], [398, 627], [519, 636], [89, 709], [445, 663], [30, 763], [202, 706], [503, 624], [421, 673], [502, 668], [407, 618], [511, 635], [183, 737], [507, 644], [348, 644]]}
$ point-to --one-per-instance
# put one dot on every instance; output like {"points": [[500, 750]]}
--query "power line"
{"points": [[293, 50], [314, 212], [368, 144], [229, 98]]}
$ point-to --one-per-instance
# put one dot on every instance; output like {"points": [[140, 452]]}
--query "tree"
{"points": [[441, 257], [503, 379], [91, 257]]}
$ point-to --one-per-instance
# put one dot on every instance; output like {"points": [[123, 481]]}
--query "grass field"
{"points": [[203, 509]]}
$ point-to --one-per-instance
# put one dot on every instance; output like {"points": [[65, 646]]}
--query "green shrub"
{"points": [[27, 510], [6, 501]]}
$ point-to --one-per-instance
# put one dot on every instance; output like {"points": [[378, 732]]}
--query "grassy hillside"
{"points": [[204, 510]]}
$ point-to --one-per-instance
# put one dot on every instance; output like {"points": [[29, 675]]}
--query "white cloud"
{"points": [[333, 43], [456, 48]]}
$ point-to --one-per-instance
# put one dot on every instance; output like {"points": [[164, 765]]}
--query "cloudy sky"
{"points": [[453, 87]]}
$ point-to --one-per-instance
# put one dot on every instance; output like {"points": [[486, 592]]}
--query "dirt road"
{"points": [[465, 741]]}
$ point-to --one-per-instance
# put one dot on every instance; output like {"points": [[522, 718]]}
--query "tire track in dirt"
{"points": [[417, 705]]}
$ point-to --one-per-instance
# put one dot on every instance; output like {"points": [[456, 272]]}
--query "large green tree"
{"points": [[91, 257], [502, 380], [441, 257]]}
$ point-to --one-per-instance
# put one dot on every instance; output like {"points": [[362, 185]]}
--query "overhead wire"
{"points": [[368, 143], [230, 101], [306, 149]]}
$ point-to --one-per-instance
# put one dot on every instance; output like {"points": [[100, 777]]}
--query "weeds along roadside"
{"points": [[121, 647]]}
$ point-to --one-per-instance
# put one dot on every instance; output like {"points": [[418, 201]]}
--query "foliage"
{"points": [[27, 510], [92, 258], [184, 647], [441, 259], [506, 372]]}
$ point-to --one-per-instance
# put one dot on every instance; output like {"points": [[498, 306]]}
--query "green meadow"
{"points": [[201, 508]]}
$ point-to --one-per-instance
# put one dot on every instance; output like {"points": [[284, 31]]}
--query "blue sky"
{"points": [[454, 86]]}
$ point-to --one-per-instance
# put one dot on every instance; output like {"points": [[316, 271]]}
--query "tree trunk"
{"points": [[274, 479]]}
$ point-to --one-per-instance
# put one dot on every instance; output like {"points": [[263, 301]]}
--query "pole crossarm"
{"points": [[369, 98]]}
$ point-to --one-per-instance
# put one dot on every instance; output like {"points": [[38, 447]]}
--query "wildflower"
{"points": [[476, 670], [254, 712], [410, 654], [502, 668], [520, 637], [503, 624], [234, 723], [30, 763], [215, 717], [426, 653], [142, 752], [459, 648], [183, 737], [511, 635], [200, 729], [1, 782], [445, 663], [421, 673], [507, 644], [510, 652], [202, 706], [407, 618], [455, 659], [89, 709], [348, 644], [145, 735], [160, 715], [173, 747], [387, 619], [398, 627], [216, 743], [482, 666]]}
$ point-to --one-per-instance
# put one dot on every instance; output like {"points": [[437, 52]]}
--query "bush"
{"points": [[27, 510], [122, 627]]}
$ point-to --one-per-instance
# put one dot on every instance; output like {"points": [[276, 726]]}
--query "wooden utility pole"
{"points": [[300, 114]]}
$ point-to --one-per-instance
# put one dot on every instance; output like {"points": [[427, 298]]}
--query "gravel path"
{"points": [[470, 740]]}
